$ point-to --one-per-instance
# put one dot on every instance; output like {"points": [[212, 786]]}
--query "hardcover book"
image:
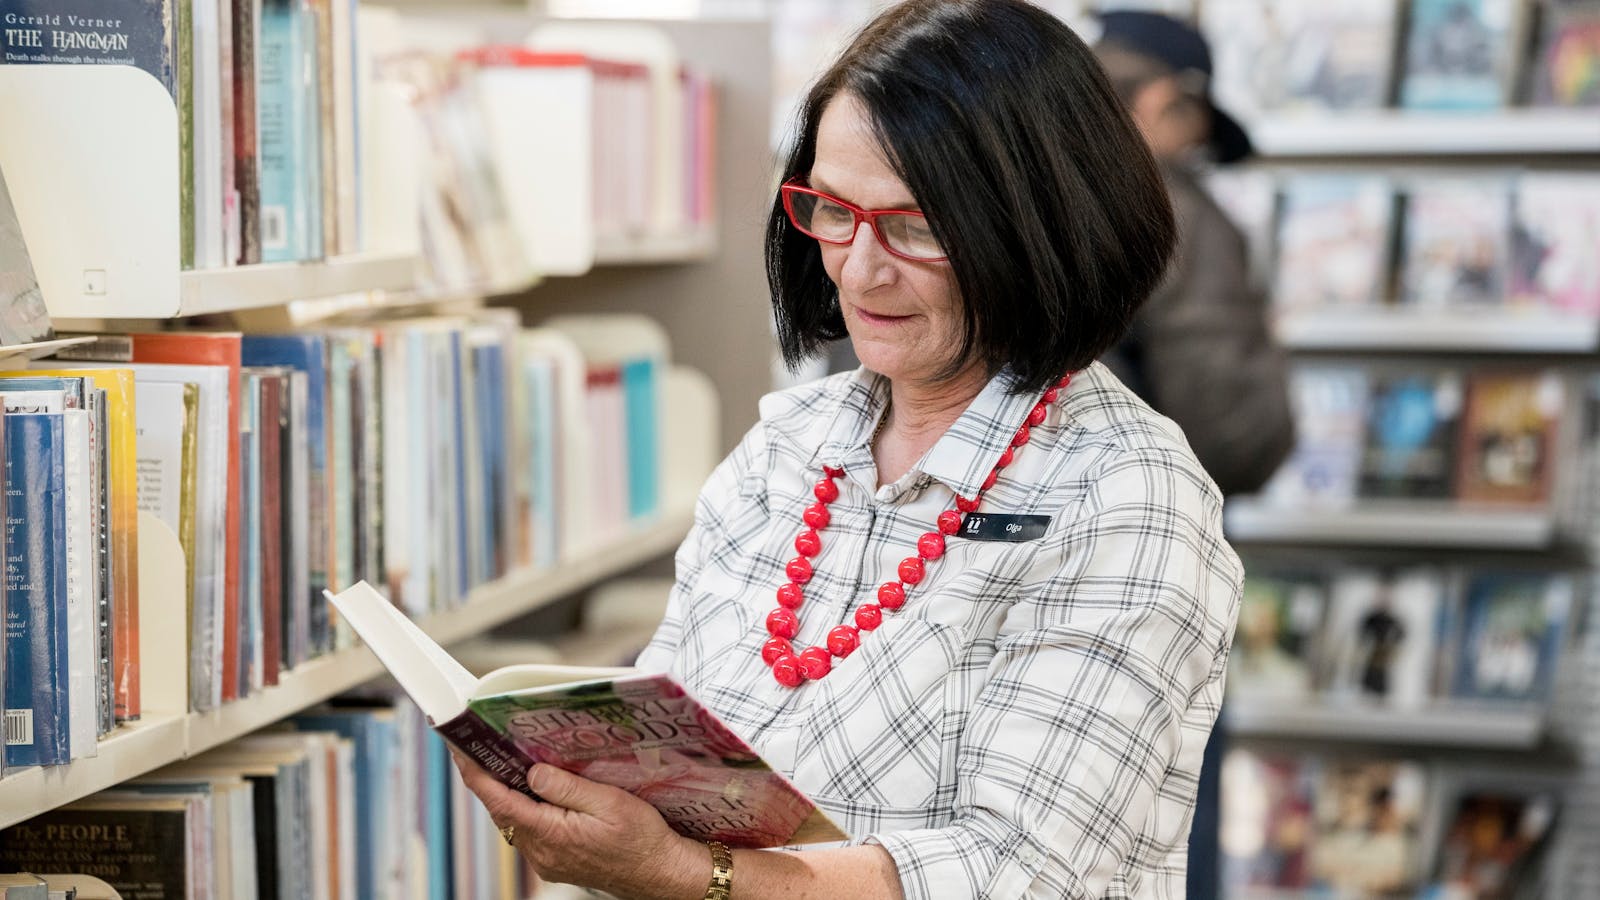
{"points": [[638, 731], [105, 32], [145, 847]]}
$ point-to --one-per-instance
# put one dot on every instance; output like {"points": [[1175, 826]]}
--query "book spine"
{"points": [[280, 126], [269, 434], [490, 749], [246, 177], [105, 614], [78, 549], [183, 93]]}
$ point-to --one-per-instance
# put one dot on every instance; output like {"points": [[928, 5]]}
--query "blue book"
{"points": [[440, 772], [281, 116], [307, 353], [486, 467], [540, 378], [44, 31], [373, 752], [644, 455], [1511, 636], [37, 722], [458, 415]]}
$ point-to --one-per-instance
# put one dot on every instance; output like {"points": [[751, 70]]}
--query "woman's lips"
{"points": [[877, 319]]}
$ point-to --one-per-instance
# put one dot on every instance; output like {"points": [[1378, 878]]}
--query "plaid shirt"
{"points": [[1031, 723]]}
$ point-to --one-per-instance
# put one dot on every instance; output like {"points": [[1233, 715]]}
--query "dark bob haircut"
{"points": [[1034, 179]]}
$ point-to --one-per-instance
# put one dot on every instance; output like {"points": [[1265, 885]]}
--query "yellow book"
{"points": [[188, 492]]}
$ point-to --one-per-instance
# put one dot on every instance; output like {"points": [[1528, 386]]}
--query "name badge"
{"points": [[1000, 527]]}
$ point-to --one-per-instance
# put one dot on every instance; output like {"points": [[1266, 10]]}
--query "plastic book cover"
{"points": [[1511, 636], [1568, 72], [1508, 437], [1458, 54], [1555, 231], [1368, 818], [23, 316], [1333, 242], [1411, 436], [1493, 841], [141, 846], [91, 32], [1280, 616], [1339, 55], [1267, 825], [1380, 638], [1330, 411], [1455, 245]]}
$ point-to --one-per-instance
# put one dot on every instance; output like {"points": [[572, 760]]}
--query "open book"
{"points": [[638, 731]]}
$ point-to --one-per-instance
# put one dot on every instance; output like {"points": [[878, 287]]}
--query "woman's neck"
{"points": [[919, 414]]}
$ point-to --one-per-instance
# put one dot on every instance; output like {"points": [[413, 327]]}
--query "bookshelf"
{"points": [[160, 739], [1409, 524], [650, 249], [251, 287], [1510, 132], [1488, 331], [1464, 727]]}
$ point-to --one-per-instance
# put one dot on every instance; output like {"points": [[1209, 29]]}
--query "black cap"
{"points": [[1179, 46]]}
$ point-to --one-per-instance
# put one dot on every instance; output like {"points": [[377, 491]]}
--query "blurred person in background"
{"points": [[1200, 350]]}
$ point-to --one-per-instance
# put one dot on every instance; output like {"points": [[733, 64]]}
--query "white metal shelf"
{"points": [[1441, 331], [1518, 132], [1402, 523], [1444, 726], [147, 745], [252, 287], [686, 246]]}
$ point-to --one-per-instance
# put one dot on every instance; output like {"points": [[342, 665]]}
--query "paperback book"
{"points": [[635, 730]]}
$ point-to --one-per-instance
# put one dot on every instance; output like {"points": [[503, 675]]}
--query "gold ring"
{"points": [[509, 832]]}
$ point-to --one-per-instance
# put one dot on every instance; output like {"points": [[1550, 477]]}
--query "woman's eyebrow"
{"points": [[817, 184]]}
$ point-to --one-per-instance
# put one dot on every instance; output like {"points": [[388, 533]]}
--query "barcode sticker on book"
{"points": [[19, 727], [274, 227]]}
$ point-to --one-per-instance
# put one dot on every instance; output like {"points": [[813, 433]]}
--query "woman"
{"points": [[1011, 704]]}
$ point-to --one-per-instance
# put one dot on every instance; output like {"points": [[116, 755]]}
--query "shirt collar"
{"points": [[961, 458]]}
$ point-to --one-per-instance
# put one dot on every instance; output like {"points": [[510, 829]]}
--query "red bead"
{"points": [[869, 616], [843, 641], [816, 516], [1006, 458], [949, 521], [911, 570], [991, 478], [1037, 414], [1051, 395], [782, 623], [774, 648], [833, 471], [1065, 380], [798, 570], [808, 543], [815, 662], [790, 596], [930, 545], [965, 505], [826, 490], [786, 669], [1021, 437], [892, 595]]}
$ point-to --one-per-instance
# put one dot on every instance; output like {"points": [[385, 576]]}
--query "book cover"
{"points": [[246, 174], [1266, 834], [1330, 412], [1411, 436], [1458, 54], [1379, 642], [638, 731], [1568, 71], [104, 32], [38, 710], [23, 317], [1493, 841], [1333, 242], [1339, 56], [250, 612], [1508, 437], [1511, 636], [1280, 616], [1368, 817], [1554, 232], [141, 846], [1455, 244]]}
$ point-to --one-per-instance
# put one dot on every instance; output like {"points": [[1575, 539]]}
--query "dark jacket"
{"points": [[1201, 351]]}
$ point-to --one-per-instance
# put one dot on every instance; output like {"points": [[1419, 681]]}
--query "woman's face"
{"points": [[904, 317]]}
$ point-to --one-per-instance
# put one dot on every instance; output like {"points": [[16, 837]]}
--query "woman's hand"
{"points": [[592, 834]]}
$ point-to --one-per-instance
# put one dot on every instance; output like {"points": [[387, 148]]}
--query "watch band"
{"points": [[721, 886]]}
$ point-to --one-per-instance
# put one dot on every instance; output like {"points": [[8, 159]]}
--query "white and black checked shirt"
{"points": [[1031, 723]]}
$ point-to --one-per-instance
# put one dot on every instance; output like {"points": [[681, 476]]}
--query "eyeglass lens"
{"points": [[825, 219]]}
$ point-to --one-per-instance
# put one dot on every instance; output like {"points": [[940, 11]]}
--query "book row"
{"points": [[1480, 437], [1402, 638], [1360, 827], [357, 801], [426, 456], [1288, 56], [1484, 240]]}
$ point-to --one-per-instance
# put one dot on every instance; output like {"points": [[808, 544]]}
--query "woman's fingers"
{"points": [[570, 791]]}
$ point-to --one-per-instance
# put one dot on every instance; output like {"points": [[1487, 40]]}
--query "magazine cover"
{"points": [[1454, 242], [1368, 815], [1380, 638], [1411, 436], [1333, 239], [1458, 54], [1492, 842], [1249, 53], [1568, 72], [1330, 411], [1508, 437], [1340, 55], [1267, 827], [1554, 235], [1279, 617], [1511, 636]]}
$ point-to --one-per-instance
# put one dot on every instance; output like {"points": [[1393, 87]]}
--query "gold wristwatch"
{"points": [[721, 887]]}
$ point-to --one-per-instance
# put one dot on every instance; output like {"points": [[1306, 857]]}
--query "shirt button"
{"points": [[1028, 856]]}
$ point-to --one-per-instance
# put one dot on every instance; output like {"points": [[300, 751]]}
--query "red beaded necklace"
{"points": [[789, 667]]}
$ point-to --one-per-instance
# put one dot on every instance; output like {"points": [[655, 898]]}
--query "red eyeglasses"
{"points": [[902, 232]]}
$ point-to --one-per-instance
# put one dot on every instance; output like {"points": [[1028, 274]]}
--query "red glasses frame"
{"points": [[870, 216]]}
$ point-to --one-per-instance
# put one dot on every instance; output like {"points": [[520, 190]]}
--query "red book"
{"points": [[270, 435]]}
